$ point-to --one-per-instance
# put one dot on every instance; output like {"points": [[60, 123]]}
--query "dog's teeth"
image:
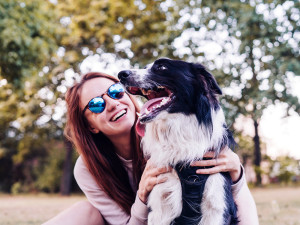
{"points": [[138, 114], [147, 111], [164, 100]]}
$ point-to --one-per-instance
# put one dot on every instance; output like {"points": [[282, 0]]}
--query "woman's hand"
{"points": [[149, 179], [227, 161]]}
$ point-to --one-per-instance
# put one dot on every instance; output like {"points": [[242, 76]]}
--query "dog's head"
{"points": [[175, 86]]}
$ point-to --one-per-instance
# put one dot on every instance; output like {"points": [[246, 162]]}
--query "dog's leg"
{"points": [[165, 201], [213, 203]]}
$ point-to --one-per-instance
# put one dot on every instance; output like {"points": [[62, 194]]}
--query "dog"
{"points": [[181, 121]]}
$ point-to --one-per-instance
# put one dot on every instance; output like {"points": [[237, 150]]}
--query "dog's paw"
{"points": [[153, 218], [165, 201]]}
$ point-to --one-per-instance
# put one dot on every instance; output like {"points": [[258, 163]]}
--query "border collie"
{"points": [[180, 122]]}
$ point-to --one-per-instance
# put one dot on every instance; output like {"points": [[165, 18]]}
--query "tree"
{"points": [[267, 55], [28, 35], [269, 59]]}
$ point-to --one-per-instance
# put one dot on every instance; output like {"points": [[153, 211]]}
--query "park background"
{"points": [[251, 47]]}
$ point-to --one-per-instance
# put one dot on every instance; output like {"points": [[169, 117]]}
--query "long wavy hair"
{"points": [[97, 151]]}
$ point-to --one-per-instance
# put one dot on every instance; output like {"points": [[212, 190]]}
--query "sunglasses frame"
{"points": [[101, 96]]}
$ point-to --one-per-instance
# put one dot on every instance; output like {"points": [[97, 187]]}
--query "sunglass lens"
{"points": [[97, 105], [116, 91]]}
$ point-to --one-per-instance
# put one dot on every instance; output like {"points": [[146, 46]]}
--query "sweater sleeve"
{"points": [[247, 213], [109, 209]]}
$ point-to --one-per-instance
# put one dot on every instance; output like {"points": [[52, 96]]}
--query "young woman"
{"points": [[111, 169]]}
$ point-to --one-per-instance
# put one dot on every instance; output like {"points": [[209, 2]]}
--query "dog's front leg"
{"points": [[213, 203], [165, 201]]}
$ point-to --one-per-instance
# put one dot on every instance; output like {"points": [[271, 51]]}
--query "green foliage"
{"points": [[16, 188], [285, 169], [286, 176], [50, 171], [27, 38], [245, 146], [141, 32]]}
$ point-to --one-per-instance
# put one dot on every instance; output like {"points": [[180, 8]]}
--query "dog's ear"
{"points": [[207, 89], [209, 80], [203, 111]]}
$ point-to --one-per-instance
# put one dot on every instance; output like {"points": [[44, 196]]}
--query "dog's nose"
{"points": [[124, 74]]}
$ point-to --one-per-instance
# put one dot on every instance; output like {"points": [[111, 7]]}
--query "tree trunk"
{"points": [[257, 154], [65, 184]]}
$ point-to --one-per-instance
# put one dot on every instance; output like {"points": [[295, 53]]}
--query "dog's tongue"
{"points": [[140, 127]]}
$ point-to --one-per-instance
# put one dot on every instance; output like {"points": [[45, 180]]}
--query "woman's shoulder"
{"points": [[79, 166], [82, 175]]}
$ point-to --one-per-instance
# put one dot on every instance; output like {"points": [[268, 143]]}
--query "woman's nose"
{"points": [[111, 103]]}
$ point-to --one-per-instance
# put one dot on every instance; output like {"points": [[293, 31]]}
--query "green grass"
{"points": [[276, 206]]}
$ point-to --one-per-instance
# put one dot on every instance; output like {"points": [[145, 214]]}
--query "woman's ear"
{"points": [[94, 130]]}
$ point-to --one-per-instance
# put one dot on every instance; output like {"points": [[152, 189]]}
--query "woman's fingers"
{"points": [[213, 170], [154, 181], [210, 162], [209, 155], [227, 161], [150, 178], [156, 171]]}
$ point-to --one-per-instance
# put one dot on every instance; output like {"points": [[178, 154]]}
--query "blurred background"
{"points": [[251, 47]]}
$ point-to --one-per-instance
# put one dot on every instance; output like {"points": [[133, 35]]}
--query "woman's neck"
{"points": [[122, 145]]}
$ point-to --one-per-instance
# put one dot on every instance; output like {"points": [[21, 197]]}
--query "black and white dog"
{"points": [[180, 123]]}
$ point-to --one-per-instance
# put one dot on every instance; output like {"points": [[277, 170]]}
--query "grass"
{"points": [[32, 209], [276, 206]]}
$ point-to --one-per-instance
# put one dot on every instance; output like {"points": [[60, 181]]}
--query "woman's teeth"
{"points": [[119, 114]]}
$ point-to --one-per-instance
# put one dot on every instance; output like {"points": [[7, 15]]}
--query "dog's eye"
{"points": [[161, 67]]}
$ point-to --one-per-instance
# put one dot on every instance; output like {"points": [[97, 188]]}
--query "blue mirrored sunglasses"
{"points": [[97, 104]]}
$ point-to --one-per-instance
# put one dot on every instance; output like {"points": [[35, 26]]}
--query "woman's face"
{"points": [[107, 122]]}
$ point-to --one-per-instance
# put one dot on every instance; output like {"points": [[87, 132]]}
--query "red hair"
{"points": [[96, 149]]}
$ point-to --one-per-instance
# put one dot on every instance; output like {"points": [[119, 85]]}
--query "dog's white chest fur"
{"points": [[174, 138]]}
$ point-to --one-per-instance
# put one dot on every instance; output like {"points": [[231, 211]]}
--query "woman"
{"points": [[111, 169]]}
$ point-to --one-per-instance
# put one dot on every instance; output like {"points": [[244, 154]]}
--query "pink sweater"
{"points": [[113, 214]]}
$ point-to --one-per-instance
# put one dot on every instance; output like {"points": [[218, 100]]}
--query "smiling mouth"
{"points": [[119, 115], [159, 99]]}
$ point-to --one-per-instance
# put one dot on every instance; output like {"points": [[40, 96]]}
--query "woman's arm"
{"points": [[247, 212], [108, 208], [228, 161]]}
